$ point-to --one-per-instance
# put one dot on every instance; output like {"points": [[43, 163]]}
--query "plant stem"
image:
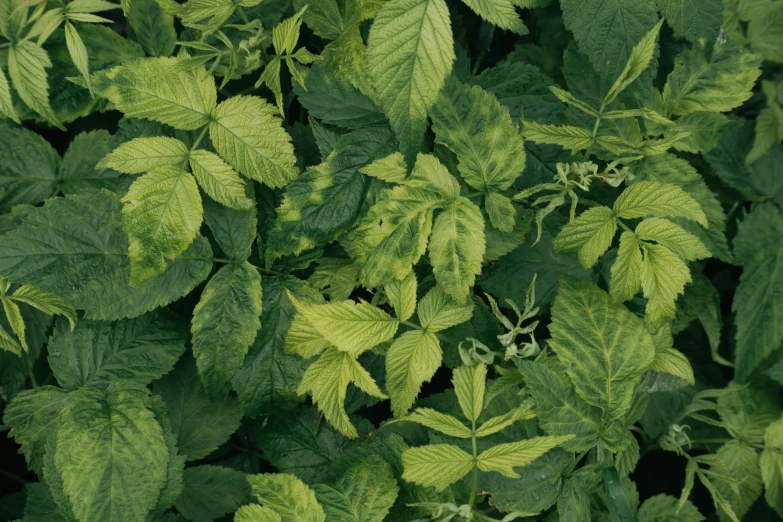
{"points": [[198, 140], [33, 381], [474, 487]]}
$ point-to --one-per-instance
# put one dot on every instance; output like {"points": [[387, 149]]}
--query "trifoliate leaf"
{"points": [[715, 84], [436, 465], [200, 422], [351, 327], [641, 56], [287, 496], [441, 422], [758, 302], [218, 180], [111, 453], [437, 311], [327, 380], [145, 154], [209, 492], [504, 457], [28, 168], [409, 55], [473, 125], [560, 411], [161, 90], [365, 493], [627, 268], [604, 347], [97, 353], [673, 237], [412, 360], [163, 214], [225, 322], [27, 64], [470, 383], [590, 235], [568, 137], [247, 133], [664, 276], [402, 296], [647, 198]]}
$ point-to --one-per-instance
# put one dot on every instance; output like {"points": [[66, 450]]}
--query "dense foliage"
{"points": [[391, 260]]}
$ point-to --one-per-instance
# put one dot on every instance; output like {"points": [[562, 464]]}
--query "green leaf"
{"points": [[457, 247], [351, 327], [590, 235], [27, 64], [766, 134], [218, 180], [145, 154], [328, 19], [287, 496], [504, 457], [604, 347], [673, 237], [200, 422], [641, 56], [652, 198], [402, 296], [715, 84], [473, 125], [152, 27], [97, 353], [771, 462], [327, 379], [665, 508], [40, 506], [79, 169], [500, 13], [209, 492], [441, 422], [412, 360], [225, 322], [160, 89], [328, 198], [247, 133], [764, 32], [663, 276], [437, 311], [567, 136], [501, 211], [606, 32], [111, 453], [739, 479], [673, 362], [470, 384], [255, 513], [560, 411], [6, 105], [627, 269], [233, 230], [693, 20], [76, 247], [757, 302], [163, 214], [78, 52], [435, 465], [28, 168], [365, 493], [409, 55]]}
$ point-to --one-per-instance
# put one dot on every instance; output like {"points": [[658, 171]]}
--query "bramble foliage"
{"points": [[391, 260]]}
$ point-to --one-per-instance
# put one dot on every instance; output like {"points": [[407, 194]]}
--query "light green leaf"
{"points": [[500, 13], [504, 457], [286, 33], [247, 133], [437, 311], [470, 383], [6, 105], [501, 422], [472, 124], [402, 296], [287, 496], [590, 235], [218, 180], [435, 465], [411, 361], [715, 84], [627, 269], [391, 168], [145, 154], [351, 327], [304, 340], [27, 64], [111, 453], [163, 214], [771, 462], [652, 198], [78, 52], [365, 493], [225, 322], [441, 422], [209, 492], [567, 136], [501, 211], [457, 247], [664, 276], [604, 347], [327, 380], [560, 411], [673, 362], [673, 237], [256, 513], [15, 320], [641, 56], [97, 353], [161, 90], [409, 55]]}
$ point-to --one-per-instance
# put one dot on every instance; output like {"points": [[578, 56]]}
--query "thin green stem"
{"points": [[200, 137], [411, 325], [474, 487], [624, 226], [33, 380], [12, 476]]}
